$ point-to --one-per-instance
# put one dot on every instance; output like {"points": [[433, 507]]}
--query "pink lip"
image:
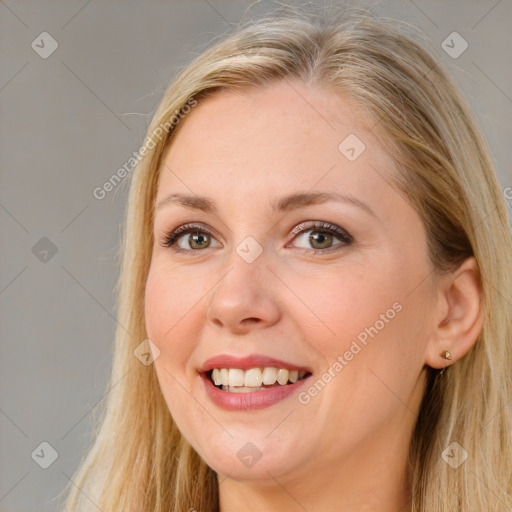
{"points": [[254, 399], [246, 363], [249, 401]]}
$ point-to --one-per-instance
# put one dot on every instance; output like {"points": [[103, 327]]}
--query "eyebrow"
{"points": [[284, 204]]}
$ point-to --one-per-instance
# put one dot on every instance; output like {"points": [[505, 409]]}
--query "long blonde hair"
{"points": [[138, 460]]}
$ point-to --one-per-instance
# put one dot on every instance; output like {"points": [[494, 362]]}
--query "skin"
{"points": [[346, 449]]}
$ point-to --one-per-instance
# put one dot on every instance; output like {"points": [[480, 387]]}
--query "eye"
{"points": [[192, 238], [198, 238], [321, 236]]}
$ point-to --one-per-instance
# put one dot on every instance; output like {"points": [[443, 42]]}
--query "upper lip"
{"points": [[247, 362]]}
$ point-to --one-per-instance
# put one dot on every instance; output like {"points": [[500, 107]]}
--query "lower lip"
{"points": [[252, 400]]}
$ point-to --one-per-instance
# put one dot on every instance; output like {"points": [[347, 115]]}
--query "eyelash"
{"points": [[169, 239]]}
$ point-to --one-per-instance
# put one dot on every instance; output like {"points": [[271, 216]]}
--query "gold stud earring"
{"points": [[446, 354]]}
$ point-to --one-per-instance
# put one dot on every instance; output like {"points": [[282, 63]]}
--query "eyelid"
{"points": [[320, 225]]}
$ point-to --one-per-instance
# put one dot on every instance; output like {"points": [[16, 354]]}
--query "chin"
{"points": [[258, 460]]}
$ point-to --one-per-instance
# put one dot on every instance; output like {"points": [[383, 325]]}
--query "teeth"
{"points": [[236, 377], [269, 376], [282, 376], [236, 380], [253, 378], [224, 377], [241, 389]]}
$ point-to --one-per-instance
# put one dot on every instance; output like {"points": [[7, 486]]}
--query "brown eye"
{"points": [[197, 240], [321, 239], [322, 236], [188, 238]]}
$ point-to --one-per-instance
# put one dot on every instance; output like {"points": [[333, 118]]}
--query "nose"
{"points": [[245, 297]]}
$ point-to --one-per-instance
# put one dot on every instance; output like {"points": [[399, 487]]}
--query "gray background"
{"points": [[68, 122]]}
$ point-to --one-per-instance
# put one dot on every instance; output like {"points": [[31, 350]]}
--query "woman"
{"points": [[318, 248]]}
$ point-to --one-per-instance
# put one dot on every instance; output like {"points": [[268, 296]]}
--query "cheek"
{"points": [[169, 315], [369, 323], [170, 326], [346, 304]]}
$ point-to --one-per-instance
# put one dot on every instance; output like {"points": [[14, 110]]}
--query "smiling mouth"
{"points": [[236, 380]]}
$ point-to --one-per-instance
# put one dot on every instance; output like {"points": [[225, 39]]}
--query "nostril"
{"points": [[251, 320]]}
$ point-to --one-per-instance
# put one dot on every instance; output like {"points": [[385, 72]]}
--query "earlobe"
{"points": [[457, 327]]}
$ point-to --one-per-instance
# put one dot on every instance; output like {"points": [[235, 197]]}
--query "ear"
{"points": [[458, 315]]}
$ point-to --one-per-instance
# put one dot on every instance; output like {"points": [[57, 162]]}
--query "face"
{"points": [[331, 289]]}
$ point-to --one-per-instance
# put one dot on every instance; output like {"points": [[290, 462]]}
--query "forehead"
{"points": [[281, 137]]}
